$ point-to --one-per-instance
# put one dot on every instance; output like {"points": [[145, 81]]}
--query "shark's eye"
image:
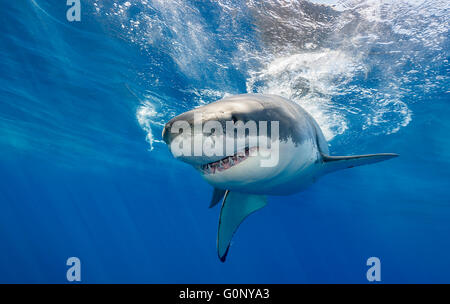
{"points": [[233, 118]]}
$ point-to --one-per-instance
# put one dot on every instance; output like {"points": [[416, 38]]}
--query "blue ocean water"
{"points": [[83, 171]]}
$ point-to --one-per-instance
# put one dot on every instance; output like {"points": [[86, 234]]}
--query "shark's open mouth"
{"points": [[227, 162]]}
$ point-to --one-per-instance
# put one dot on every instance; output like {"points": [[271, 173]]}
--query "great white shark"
{"points": [[238, 178]]}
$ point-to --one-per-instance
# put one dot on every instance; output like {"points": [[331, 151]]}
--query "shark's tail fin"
{"points": [[333, 163]]}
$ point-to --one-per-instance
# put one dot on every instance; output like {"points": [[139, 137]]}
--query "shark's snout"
{"points": [[166, 133], [182, 120]]}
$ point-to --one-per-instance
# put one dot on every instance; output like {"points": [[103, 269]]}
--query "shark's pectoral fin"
{"points": [[235, 208], [216, 197], [333, 163]]}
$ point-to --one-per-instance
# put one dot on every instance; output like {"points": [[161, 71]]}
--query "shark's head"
{"points": [[233, 142]]}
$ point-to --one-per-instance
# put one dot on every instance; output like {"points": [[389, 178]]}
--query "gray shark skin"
{"points": [[239, 180]]}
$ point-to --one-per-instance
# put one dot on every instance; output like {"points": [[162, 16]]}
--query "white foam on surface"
{"points": [[310, 79], [354, 68], [145, 115]]}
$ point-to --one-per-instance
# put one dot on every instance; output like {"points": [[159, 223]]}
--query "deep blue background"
{"points": [[77, 177]]}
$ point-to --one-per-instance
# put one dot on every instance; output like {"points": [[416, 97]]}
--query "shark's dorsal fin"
{"points": [[333, 163], [216, 197], [235, 208]]}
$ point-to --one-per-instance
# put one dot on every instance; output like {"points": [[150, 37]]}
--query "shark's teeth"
{"points": [[227, 162]]}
